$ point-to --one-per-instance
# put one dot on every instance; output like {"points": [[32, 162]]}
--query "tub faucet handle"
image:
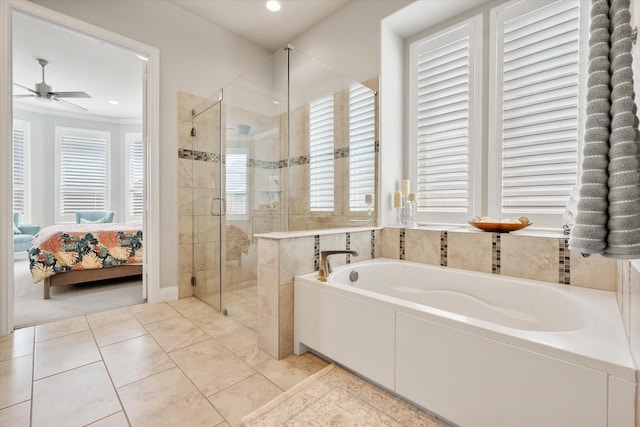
{"points": [[325, 267]]}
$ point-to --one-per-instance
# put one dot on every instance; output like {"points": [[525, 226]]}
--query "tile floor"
{"points": [[242, 305], [177, 363]]}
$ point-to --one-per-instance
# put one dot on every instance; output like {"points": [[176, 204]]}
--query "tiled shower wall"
{"points": [[536, 257]]}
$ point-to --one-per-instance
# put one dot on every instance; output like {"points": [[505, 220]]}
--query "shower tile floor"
{"points": [[242, 306], [176, 363]]}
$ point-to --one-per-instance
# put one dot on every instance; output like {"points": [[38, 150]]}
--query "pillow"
{"points": [[16, 230], [88, 221]]}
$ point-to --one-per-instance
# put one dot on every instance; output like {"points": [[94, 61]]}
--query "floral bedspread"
{"points": [[65, 247]]}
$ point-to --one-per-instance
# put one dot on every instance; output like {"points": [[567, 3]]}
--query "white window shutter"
{"points": [[537, 71], [19, 171], [321, 155], [446, 129], [236, 188], [83, 171], [135, 181], [362, 145]]}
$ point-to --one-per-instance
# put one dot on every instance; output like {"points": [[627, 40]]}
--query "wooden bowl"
{"points": [[499, 227]]}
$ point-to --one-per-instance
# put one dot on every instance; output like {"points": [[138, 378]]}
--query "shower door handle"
{"points": [[223, 206]]}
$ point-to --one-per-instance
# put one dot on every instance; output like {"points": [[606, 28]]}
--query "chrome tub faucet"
{"points": [[325, 267]]}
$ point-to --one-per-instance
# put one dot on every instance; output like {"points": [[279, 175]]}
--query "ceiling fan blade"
{"points": [[69, 104], [24, 87], [70, 94], [24, 96]]}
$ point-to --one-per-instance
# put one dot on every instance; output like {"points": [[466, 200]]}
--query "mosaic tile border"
{"points": [[338, 153], [402, 243], [373, 244], [316, 252], [564, 258], [348, 245], [495, 253], [443, 248]]}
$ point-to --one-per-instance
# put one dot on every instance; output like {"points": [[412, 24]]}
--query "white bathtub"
{"points": [[476, 349]]}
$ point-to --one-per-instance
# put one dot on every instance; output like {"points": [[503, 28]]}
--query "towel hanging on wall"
{"points": [[608, 214]]}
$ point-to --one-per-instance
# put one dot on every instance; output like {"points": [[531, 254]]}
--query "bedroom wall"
{"points": [[42, 161], [195, 57]]}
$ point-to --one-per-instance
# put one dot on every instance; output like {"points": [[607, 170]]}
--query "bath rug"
{"points": [[335, 397]]}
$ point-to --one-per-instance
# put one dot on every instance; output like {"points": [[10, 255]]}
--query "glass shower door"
{"points": [[254, 113], [207, 200]]}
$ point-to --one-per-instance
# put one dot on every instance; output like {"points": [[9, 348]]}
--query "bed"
{"points": [[66, 254]]}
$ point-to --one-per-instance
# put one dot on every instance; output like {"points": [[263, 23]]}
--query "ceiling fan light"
{"points": [[273, 5], [113, 102]]}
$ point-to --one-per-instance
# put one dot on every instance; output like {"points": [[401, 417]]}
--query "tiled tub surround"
{"points": [[544, 257], [281, 256], [467, 345]]}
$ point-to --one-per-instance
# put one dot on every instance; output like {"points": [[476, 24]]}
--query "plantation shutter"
{"points": [[362, 146], [443, 103], [19, 171], [83, 174], [135, 185], [236, 176], [539, 132], [321, 155]]}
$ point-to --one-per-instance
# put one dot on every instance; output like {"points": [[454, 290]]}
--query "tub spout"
{"points": [[325, 267]]}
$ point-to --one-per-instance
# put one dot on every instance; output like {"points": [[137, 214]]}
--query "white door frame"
{"points": [[151, 277]]}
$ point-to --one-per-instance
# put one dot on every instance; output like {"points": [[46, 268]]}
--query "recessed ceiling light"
{"points": [[111, 101], [144, 58], [273, 5]]}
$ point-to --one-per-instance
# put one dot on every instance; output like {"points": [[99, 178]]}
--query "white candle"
{"points": [[412, 197], [405, 186], [396, 199]]}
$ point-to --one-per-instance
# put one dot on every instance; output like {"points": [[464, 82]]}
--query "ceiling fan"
{"points": [[44, 92]]}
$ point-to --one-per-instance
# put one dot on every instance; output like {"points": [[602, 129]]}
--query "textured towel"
{"points": [[608, 217]]}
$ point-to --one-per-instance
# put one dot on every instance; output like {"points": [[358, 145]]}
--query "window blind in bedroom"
{"points": [[135, 176], [83, 173], [19, 174]]}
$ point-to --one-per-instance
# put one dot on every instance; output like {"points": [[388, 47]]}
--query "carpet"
{"points": [[30, 308], [335, 397]]}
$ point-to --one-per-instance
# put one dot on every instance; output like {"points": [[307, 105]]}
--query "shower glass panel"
{"points": [[294, 148], [207, 206]]}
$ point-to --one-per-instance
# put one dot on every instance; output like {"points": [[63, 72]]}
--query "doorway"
{"points": [[147, 129]]}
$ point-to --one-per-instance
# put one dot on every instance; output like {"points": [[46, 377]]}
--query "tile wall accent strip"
{"points": [[338, 153], [564, 276], [443, 248], [373, 244], [495, 253], [316, 252], [348, 246], [402, 243]]}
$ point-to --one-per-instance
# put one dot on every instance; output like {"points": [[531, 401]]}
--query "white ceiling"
{"points": [[76, 63], [107, 72], [251, 20]]}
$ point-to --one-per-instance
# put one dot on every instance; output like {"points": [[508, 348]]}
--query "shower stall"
{"points": [[291, 145]]}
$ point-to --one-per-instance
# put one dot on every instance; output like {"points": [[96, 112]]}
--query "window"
{"points": [[82, 171], [529, 137], [535, 148], [446, 133], [321, 151], [236, 175], [21, 138], [362, 145], [135, 176]]}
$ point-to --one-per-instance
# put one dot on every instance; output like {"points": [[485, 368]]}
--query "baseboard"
{"points": [[169, 293]]}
